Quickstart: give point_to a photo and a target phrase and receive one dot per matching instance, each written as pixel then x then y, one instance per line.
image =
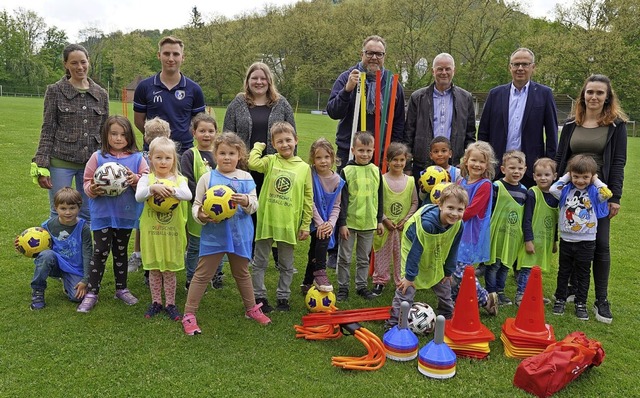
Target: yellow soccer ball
pixel 437 191
pixel 217 203
pixel 164 205
pixel 34 240
pixel 318 301
pixel 432 176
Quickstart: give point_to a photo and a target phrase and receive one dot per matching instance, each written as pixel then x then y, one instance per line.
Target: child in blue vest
pixel 429 251
pixel 360 215
pixel 327 186
pixel 583 200
pixel 477 169
pixel 113 217
pixel 509 196
pixel 69 256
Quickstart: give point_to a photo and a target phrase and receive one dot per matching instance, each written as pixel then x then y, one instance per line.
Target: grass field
pixel 115 351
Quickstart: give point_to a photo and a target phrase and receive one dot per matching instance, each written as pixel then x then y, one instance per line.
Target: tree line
pixel 308 44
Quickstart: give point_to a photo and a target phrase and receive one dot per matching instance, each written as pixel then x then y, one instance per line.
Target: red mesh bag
pixel 550 371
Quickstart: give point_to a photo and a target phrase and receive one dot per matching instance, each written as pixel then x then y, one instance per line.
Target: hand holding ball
pixel 432 176
pixel 163 204
pixel 218 203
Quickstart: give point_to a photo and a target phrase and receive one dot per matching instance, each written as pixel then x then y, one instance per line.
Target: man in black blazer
pixel 449 106
pixel 521 115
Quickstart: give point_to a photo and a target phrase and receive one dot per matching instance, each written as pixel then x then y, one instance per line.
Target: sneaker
pixel 88 302
pixel 581 311
pixel 492 304
pixel 343 294
pixel 332 260
pixel 216 282
pixel 135 262
pixel 173 312
pixel 603 311
pixel 266 308
pixel 519 299
pixel 186 286
pixel 503 299
pixel 256 313
pixel 37 300
pixel 377 290
pixel 154 309
pixel 283 305
pixel 189 325
pixel 126 296
pixel 546 301
pixel 558 307
pixel 304 289
pixel 321 281
pixel 365 293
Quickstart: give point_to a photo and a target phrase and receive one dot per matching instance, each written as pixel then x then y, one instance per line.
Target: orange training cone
pixel 529 324
pixel 465 325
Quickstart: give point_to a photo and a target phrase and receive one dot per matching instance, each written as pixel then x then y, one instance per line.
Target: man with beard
pixel 343 96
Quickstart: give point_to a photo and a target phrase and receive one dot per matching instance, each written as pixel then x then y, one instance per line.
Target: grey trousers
pixel 260 263
pixel 442 292
pixel 363 241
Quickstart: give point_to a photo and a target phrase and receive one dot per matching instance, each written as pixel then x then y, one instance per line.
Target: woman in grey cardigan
pixel 75 109
pixel 252 112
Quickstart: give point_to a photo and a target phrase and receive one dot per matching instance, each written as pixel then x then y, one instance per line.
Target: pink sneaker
pixel 87 304
pixel 256 313
pixel 189 324
pixel 126 296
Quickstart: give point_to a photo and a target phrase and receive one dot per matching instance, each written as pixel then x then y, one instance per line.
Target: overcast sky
pixel 127 15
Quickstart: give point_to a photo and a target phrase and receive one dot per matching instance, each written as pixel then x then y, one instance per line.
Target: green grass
pixel 115 351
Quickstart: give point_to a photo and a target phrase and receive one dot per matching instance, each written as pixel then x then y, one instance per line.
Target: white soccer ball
pixel 112 178
pixel 422 318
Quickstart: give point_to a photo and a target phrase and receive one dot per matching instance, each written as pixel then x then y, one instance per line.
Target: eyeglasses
pixel 371 54
pixel 523 65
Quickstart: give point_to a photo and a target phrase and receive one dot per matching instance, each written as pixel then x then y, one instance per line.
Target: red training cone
pixel 465 325
pixel 529 324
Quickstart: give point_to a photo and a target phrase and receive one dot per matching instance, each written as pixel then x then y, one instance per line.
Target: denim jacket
pixel 72 123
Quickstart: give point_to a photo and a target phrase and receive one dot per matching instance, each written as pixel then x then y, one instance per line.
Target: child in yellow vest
pixel 360 215
pixel 162 235
pixel 400 202
pixel 509 196
pixel 284 212
pixel 194 163
pixel 539 225
pixel 429 251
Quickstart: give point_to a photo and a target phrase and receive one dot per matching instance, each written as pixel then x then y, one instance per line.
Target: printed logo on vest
pixel 396 208
pixel 282 184
pixel 512 218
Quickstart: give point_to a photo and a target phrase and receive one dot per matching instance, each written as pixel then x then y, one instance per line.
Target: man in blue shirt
pixel 439 109
pixel 521 116
pixel 169 95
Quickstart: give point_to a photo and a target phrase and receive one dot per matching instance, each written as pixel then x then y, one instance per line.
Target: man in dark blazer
pixel 439 109
pixel 521 115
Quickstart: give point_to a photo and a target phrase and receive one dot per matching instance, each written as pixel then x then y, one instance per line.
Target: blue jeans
pixel 61 178
pixel 47 266
pixel 523 279
pixel 495 277
pixel 481 292
pixel 192 256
